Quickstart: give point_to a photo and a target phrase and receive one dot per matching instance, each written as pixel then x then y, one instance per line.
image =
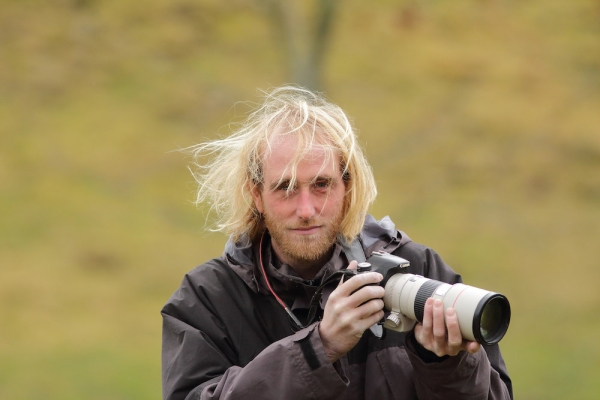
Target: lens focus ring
pixel 425 292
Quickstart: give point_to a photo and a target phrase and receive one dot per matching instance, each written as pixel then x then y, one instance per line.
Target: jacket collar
pixel 242 257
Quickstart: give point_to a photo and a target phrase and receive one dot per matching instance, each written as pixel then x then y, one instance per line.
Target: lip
pixel 310 230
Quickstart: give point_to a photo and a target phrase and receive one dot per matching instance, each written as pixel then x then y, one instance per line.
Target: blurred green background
pixel 481 119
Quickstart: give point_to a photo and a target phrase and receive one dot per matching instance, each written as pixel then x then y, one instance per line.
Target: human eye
pixel 322 183
pixel 285 187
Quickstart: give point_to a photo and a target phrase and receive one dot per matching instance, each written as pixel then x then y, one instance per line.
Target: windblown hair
pixel 234 167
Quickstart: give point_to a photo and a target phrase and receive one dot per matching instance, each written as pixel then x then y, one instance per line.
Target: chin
pixel 308 253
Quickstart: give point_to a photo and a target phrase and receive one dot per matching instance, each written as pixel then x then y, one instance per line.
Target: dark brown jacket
pixel 226 337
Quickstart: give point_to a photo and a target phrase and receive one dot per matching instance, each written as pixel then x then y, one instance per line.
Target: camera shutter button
pixel 363 267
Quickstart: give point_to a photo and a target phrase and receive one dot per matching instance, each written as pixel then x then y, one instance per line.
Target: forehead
pixel 288 157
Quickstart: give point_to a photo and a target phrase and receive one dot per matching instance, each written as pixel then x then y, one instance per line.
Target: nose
pixel 305 207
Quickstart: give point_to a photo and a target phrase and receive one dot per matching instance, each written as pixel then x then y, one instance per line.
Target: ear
pixel 256 197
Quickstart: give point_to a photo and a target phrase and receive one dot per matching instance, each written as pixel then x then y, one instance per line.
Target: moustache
pixel 305 224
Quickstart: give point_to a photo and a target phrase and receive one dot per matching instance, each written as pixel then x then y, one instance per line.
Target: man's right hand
pixel 351 309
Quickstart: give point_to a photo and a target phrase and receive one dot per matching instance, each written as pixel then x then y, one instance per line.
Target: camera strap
pixel 354 250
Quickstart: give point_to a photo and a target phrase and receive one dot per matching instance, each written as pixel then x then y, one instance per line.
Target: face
pixel 305 221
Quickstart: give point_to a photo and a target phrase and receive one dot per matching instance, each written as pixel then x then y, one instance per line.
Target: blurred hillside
pixel 481 119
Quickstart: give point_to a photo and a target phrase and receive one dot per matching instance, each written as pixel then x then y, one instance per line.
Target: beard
pixel 303 247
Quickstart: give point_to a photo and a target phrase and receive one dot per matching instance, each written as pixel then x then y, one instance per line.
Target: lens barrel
pixel 482 315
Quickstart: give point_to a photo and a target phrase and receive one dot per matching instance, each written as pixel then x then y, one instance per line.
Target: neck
pixel 306 268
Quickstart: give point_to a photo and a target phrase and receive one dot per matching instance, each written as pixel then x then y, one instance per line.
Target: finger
pixel 369 308
pixel 454 335
pixel 471 347
pixel 352 266
pixel 365 294
pixel 428 315
pixel 360 280
pixel 373 319
pixel 439 324
pixel 357 320
pixel 427 323
pixel 439 328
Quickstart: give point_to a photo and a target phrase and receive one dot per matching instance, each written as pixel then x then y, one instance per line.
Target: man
pixel 291 187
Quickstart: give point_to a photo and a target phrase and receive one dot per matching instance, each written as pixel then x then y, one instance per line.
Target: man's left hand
pixel 442 335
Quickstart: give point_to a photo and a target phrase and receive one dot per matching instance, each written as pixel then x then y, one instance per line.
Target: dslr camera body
pixel 483 316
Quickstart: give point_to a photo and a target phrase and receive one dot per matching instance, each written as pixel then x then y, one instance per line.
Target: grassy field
pixel 481 120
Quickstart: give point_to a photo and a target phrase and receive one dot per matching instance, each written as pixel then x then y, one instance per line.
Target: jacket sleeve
pixel 482 375
pixel 196 362
pixel 464 376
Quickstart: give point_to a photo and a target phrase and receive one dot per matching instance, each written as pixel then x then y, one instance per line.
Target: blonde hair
pixel 234 166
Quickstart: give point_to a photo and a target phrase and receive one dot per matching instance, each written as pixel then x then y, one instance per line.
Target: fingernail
pixel 450 312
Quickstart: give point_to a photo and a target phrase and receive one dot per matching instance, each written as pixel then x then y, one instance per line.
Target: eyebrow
pixel 286 181
pixel 277 184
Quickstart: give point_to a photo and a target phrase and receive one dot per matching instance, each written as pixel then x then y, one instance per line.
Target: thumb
pixel 353 265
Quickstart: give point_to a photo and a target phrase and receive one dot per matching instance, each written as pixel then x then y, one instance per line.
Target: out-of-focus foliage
pixel 481 119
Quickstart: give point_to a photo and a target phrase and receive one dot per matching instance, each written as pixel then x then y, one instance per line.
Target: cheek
pixel 270 204
pixel 282 208
pixel 335 203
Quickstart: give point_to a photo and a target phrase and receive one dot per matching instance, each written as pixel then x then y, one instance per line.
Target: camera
pixel 483 316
